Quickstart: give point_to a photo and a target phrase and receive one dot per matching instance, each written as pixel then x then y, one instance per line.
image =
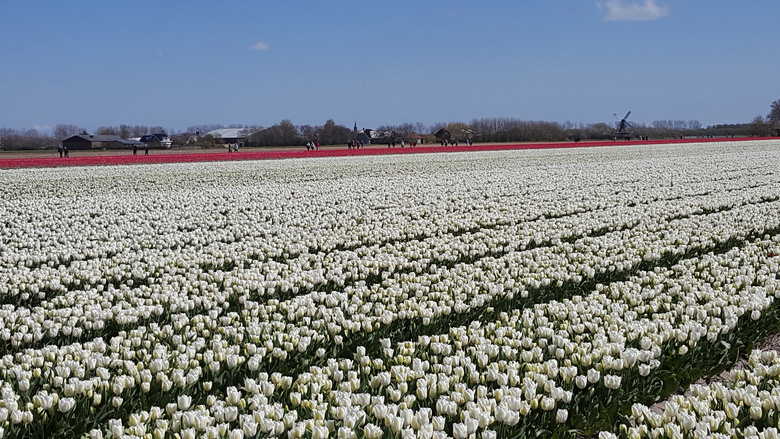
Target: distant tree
pixel 29 139
pixel 332 134
pixel 31 132
pixel 774 113
pixel 459 131
pixel 139 130
pixel 729 130
pixel 207 141
pixel 248 131
pixel 282 134
pixel 108 131
pixel 663 124
pixel 760 127
pixel 308 132
pixel 486 127
pixel 63 131
pixel 599 131
pixel 288 133
pixel 5 134
pixel 436 127
pixel 405 129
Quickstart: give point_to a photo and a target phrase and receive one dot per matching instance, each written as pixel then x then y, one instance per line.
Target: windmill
pixel 622 127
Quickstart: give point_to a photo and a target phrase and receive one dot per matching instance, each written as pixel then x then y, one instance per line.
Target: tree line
pixel 286 133
pixel 769 125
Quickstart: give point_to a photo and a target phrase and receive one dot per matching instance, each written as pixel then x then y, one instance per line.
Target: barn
pixel 229 135
pixel 443 135
pixel 98 141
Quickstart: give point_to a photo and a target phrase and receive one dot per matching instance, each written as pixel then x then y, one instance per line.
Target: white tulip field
pixel 534 293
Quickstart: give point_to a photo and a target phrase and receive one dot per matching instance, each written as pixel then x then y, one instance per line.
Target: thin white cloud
pixel 620 10
pixel 259 46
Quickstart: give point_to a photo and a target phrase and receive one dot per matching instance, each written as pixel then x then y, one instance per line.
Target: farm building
pixel 160 140
pixel 374 137
pixel 229 135
pixel 364 136
pixel 97 141
pixel 443 135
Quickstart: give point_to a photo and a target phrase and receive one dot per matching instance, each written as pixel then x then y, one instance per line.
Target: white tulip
pixel 65 405
pixel 612 381
pixel 183 402
pixel 459 431
pixel 371 431
pixel 250 428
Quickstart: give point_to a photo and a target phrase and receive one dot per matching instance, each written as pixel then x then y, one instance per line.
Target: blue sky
pixel 181 63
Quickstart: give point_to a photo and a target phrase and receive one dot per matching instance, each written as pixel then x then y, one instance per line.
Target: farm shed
pixel 97 141
pixel 443 135
pixel 229 135
pixel 159 140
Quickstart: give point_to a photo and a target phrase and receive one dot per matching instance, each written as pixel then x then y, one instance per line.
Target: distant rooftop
pixel 102 138
pixel 228 133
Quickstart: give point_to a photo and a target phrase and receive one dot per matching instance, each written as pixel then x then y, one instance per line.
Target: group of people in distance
pixel 146 149
pixel 310 146
pixel 391 144
pixel 357 144
pixel 453 142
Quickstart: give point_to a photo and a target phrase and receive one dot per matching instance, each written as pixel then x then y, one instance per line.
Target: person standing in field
pixel 60 150
pixel 135 149
pixel 65 150
pixel 146 149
